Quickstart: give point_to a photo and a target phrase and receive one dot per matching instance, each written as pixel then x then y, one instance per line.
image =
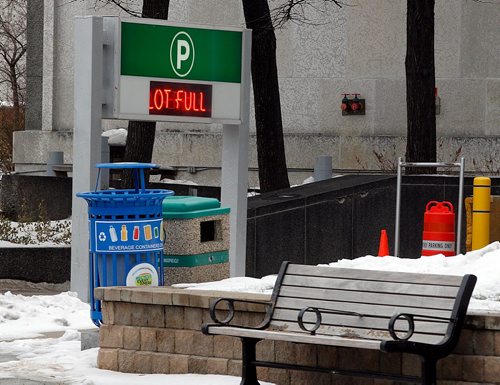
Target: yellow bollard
pixel 481 212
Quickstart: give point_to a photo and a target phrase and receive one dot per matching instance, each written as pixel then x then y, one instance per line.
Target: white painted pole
pixel 234 179
pixel 88 39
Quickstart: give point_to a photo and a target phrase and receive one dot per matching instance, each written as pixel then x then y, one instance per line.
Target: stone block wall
pixel 157 330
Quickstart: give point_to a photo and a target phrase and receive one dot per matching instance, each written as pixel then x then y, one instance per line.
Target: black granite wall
pixel 315 223
pixel 29 197
pixel 342 218
pixel 36 264
pixel 32 198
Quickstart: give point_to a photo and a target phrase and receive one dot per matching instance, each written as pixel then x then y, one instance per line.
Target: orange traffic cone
pixel 383 249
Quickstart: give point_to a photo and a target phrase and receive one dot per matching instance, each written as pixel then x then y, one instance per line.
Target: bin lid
pixel 138 174
pixel 121 165
pixel 187 207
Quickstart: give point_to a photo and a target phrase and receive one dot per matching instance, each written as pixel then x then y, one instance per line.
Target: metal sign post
pixel 460 197
pixel 161 71
pixel 86 140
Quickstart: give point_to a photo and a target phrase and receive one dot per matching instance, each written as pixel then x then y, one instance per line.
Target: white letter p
pixel 183 52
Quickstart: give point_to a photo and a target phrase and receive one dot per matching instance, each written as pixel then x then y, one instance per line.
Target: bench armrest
pixel 411 318
pixel 230 304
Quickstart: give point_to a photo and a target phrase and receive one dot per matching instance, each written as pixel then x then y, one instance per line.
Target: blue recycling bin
pixel 126 234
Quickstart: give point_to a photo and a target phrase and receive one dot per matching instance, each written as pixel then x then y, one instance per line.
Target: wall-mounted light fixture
pixel 353 106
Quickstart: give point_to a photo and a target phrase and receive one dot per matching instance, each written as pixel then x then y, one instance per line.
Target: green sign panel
pixel 162 51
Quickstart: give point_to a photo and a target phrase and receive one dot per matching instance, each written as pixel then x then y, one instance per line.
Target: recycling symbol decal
pixel 102 236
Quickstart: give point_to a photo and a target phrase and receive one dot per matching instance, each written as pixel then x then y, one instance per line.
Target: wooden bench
pixel 414 313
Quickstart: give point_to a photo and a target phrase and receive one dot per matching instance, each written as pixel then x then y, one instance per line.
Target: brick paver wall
pixel 157 330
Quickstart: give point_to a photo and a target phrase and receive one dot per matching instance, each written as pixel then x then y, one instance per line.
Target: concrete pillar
pixel 55 157
pixel 34 64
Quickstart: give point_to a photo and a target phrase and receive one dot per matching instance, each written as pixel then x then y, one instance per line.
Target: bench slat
pixel 296 337
pixel 371 286
pixel 366 297
pixel 372 334
pixel 289 317
pixel 386 276
pixel 378 335
pixel 369 309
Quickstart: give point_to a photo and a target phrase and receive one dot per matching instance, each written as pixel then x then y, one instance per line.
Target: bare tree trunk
pixel 420 83
pixel 15 98
pixel 270 146
pixel 141 134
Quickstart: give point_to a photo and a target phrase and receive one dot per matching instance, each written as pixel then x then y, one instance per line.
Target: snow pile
pixel 238 284
pixel 483 263
pixel 116 136
pixel 178 181
pixel 60 360
pixel 29 316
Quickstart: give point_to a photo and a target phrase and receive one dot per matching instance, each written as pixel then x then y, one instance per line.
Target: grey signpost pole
pixel 86 140
pixel 234 178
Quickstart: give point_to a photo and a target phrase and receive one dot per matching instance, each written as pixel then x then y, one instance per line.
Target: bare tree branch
pixel 12 75
pixel 296 11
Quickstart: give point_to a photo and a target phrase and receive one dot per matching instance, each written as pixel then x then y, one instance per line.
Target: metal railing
pixel 460 197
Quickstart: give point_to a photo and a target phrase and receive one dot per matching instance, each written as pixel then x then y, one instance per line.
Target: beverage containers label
pixel 148 235
pixel 112 234
pixel 127 236
pixel 124 233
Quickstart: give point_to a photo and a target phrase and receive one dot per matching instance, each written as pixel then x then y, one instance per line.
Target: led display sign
pixel 168 72
pixel 180 99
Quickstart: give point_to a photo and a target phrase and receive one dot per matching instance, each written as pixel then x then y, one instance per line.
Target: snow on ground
pixel 29 316
pixel 60 359
pixel 238 284
pixel 484 263
pixel 178 181
pixel 35 234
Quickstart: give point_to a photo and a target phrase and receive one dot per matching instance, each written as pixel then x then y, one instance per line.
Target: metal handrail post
pixel 398 205
pixel 460 205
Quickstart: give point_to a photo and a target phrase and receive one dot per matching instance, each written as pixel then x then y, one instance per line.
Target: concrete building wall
pixel 351 49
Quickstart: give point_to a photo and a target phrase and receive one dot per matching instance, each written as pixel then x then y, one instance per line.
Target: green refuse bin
pixel 197 240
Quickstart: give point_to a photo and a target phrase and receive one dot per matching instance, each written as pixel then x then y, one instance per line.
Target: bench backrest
pixel 369 298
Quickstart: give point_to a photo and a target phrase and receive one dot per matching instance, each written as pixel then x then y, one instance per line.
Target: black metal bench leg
pixel 428 371
pixel 249 370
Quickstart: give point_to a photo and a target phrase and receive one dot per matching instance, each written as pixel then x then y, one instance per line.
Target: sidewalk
pixel 18 381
